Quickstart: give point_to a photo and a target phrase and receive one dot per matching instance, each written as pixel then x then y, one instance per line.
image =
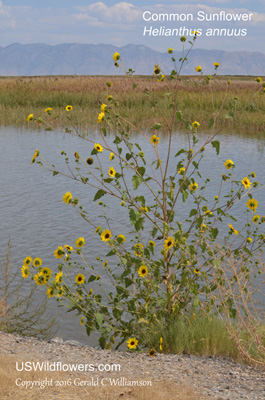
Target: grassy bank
pixel 20 96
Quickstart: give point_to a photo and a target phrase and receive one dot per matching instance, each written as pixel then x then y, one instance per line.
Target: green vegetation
pixel 23 95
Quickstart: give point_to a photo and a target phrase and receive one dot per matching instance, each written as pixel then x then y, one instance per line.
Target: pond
pixel 33 214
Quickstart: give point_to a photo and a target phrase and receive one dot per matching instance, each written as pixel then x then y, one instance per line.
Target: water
pixel 33 214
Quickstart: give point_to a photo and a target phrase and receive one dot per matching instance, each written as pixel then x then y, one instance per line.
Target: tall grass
pixel 202 335
pixel 20 96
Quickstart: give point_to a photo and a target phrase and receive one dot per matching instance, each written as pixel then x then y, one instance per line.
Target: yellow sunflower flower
pixel 101 117
pixel 253 174
pixel 181 171
pixel 193 187
pixel 245 181
pixel 59 277
pixel 121 238
pixel 25 271
pixel 161 342
pixel 98 147
pixel 80 242
pixel 229 164
pixel 258 79
pixel 50 292
pixel 198 69
pixel 27 261
pixel 233 229
pixel 169 242
pixel 216 64
pixel 106 235
pixel 138 249
pixel 170 50
pixel 67 197
pixel 90 292
pixel 152 352
pixel 111 156
pixel 36 154
pixel 69 108
pixel 112 172
pixel 59 292
pixel 249 240
pixel 47 272
pixel 252 204
pixel 151 243
pixel 80 279
pixel 143 271
pixel 103 107
pixel 40 279
pixel 37 262
pixel 155 140
pixel 82 321
pixel 132 343
pixel 255 218
pixel 157 70
pixel 197 271
pixel 29 117
pixel 59 253
pixel 48 109
pixel 116 56
pixel 195 124
pixel 68 248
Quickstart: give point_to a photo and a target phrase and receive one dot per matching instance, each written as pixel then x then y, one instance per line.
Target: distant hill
pixel 89 59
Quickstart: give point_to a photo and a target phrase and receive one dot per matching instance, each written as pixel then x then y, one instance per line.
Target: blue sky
pixel 121 22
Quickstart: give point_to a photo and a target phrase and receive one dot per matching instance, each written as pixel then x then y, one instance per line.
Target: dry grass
pixel 165 390
pixel 20 96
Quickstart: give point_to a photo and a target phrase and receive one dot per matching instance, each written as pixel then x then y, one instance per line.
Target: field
pixel 20 96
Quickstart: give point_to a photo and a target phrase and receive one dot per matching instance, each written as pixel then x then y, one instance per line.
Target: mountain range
pixel 89 59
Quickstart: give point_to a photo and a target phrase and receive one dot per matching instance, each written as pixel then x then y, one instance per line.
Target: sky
pixel 137 21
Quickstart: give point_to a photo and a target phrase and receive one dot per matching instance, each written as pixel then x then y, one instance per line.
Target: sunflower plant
pixel 170 262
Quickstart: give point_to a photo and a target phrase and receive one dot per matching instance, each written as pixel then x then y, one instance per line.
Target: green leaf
pixel 193 212
pixel 104 131
pixel 214 233
pixel 141 170
pixel 139 224
pixel 179 115
pixel 180 152
pixel 99 318
pixel 136 180
pixel 99 194
pixel 211 123
pixel 184 195
pixel 55 173
pixel 216 145
pixel 156 126
pixel 128 156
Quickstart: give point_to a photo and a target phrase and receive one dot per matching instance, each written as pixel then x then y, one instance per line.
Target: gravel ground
pixel 216 378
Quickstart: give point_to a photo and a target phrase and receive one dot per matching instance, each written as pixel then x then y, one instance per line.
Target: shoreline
pixel 212 378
